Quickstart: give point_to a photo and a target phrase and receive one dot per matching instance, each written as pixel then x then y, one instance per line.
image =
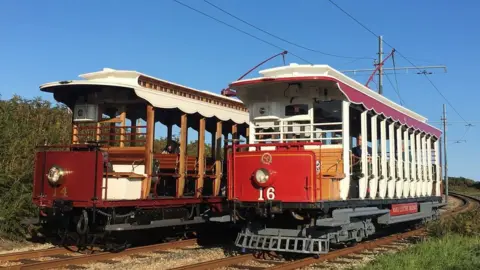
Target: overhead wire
pixel 396 90
pixel 242 31
pixel 399 53
pixel 283 39
pixel 395 73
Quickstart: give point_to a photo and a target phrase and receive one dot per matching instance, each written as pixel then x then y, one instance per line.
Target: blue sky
pixel 43 41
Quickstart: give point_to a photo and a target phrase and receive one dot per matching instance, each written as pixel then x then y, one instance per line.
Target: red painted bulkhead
pixel 78 183
pixel 292 176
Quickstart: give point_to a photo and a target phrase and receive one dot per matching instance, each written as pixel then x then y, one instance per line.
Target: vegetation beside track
pixel 464 186
pixel 453 251
pixel 25 124
pixel 454 243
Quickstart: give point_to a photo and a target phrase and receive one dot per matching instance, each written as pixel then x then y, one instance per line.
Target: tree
pixel 25 124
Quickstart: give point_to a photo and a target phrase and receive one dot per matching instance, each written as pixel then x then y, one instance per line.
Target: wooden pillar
pixel 183 155
pixel 149 150
pixel 74 133
pixel 234 132
pixel 98 131
pixel 247 134
pixel 225 152
pixel 123 117
pixel 201 158
pixel 218 161
pixel 133 131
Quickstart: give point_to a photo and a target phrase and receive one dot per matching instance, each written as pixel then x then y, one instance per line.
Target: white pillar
pixel 373 183
pixel 399 155
pixel 392 177
pixel 438 180
pixel 251 135
pixel 345 182
pixel 406 164
pixel 382 183
pixel 425 165
pixel 418 142
pixel 413 171
pixel 362 182
pixel 429 166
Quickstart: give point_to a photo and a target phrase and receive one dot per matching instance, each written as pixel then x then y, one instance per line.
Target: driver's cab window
pixel 327 118
pixel 297 123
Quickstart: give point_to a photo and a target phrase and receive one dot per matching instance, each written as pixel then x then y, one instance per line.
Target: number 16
pixel 270 194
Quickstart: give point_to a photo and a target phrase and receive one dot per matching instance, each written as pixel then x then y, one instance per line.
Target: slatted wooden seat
pixel 124 175
pixel 191 166
pixel 210 167
pixel 167 164
pixel 126 155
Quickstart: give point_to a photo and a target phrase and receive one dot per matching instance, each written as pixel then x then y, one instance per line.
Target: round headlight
pixel 261 176
pixel 55 174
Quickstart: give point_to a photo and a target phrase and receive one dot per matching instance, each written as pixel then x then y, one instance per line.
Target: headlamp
pixel 55 175
pixel 261 176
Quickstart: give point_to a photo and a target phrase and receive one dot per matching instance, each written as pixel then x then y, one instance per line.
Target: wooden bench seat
pixel 191 165
pixel 124 175
pixel 210 167
pixel 167 163
pixel 125 155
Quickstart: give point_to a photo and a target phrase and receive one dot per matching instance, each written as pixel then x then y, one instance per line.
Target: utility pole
pixel 445 168
pixel 380 69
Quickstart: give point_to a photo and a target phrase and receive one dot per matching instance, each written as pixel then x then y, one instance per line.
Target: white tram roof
pixel 163 94
pixel 354 91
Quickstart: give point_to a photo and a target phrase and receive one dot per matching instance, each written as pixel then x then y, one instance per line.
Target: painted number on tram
pixel 269 194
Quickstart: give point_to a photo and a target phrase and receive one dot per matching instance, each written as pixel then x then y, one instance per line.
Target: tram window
pixel 297 109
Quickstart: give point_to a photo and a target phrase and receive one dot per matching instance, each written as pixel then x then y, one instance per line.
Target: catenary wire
pixel 399 53
pixel 396 90
pixel 395 73
pixel 283 39
pixel 242 31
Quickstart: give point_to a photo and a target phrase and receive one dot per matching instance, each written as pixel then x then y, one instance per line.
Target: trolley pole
pixel 445 166
pixel 380 69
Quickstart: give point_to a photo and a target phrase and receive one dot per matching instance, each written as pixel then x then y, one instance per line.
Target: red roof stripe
pixel 358 97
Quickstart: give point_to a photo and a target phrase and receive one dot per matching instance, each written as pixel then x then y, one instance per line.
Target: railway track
pixel 63 257
pixel 387 242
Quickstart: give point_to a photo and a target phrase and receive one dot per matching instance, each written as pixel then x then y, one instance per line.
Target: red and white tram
pixel 111 177
pixel 328 161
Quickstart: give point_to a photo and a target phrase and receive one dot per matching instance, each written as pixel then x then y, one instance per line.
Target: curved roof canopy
pixel 354 91
pixel 161 94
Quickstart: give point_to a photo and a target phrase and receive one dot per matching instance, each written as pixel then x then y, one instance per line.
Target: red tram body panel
pixel 78 182
pixel 291 176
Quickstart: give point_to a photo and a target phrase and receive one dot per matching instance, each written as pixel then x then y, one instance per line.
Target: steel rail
pixel 78 260
pixel 468 205
pixel 30 254
pixel 217 263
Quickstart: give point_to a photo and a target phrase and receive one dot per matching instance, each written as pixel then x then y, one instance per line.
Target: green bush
pixel 465 224
pixel 449 252
pixel 24 124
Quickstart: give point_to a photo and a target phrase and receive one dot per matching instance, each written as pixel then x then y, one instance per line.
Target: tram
pixel 328 161
pixel 113 178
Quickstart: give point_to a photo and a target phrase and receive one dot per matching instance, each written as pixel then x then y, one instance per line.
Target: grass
pixel 454 243
pixel 466 190
pixel 451 252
